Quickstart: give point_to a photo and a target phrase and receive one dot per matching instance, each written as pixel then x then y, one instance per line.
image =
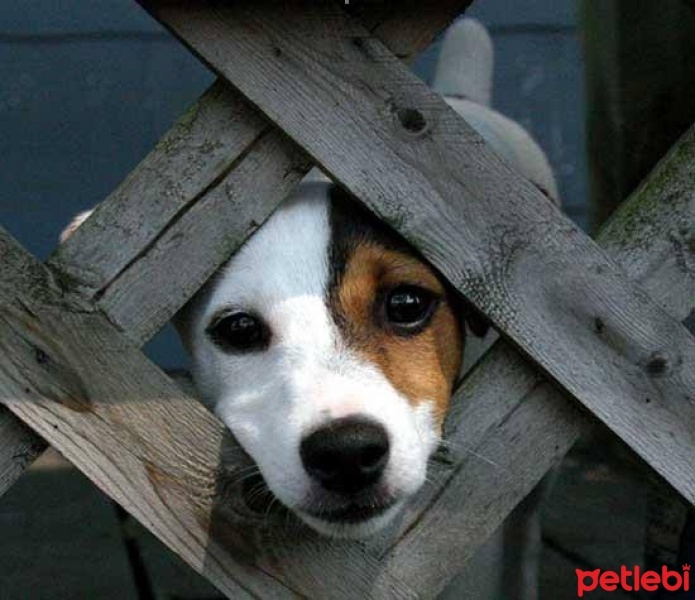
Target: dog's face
pixel 330 350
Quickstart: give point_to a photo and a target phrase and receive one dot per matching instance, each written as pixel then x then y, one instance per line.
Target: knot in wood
pixel 657 364
pixel 41 357
pixel 412 120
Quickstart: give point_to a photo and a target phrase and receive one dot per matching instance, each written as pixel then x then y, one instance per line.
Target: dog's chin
pixel 351 522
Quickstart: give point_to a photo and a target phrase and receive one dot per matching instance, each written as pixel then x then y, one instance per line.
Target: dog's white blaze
pixel 272 399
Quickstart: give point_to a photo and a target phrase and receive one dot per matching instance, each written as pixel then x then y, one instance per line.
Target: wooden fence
pixel 590 329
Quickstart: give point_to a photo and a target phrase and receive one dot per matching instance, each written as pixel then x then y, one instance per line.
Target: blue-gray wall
pixel 86 92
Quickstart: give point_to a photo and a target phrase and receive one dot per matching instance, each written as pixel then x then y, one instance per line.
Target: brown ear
pixel 74 224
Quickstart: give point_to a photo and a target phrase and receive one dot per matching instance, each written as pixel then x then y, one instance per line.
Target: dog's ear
pixel 476 321
pixel 74 224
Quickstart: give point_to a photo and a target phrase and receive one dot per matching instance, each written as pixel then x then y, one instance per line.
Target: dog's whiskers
pixel 241 476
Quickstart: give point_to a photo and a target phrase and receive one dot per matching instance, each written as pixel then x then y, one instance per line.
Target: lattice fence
pixel 591 330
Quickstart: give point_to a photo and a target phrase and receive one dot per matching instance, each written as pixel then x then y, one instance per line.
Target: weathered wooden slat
pixel 318 548
pixel 192 157
pixel 19 447
pixel 399 148
pixel 209 154
pixel 497 407
pixel 650 237
pixel 92 395
pixel 145 296
pixel 219 135
pixel 70 374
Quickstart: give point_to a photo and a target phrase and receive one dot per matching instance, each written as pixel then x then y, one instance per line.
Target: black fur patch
pixel 353 225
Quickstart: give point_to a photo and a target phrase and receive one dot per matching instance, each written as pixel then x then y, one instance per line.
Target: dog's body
pixel 330 348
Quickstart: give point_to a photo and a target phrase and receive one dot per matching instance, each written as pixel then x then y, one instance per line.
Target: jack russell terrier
pixel 330 348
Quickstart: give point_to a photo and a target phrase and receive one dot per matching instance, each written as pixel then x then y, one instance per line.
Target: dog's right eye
pixel 239 332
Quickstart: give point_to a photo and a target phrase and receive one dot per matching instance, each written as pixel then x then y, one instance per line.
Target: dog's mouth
pixel 330 515
pixel 353 513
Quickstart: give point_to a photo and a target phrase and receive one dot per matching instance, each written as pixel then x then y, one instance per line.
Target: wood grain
pixel 219 151
pixel 400 149
pixel 91 394
pixel 96 399
pixel 114 448
pixel 144 424
pixel 19 447
pixel 216 149
pixel 500 402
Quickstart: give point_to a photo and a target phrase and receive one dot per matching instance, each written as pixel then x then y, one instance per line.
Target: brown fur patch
pixel 423 366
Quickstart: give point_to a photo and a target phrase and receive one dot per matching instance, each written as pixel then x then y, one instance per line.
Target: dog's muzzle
pixel 347 456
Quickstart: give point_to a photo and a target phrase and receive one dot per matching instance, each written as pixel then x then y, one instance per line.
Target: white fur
pixel 272 399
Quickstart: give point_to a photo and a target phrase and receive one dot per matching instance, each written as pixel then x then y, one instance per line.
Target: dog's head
pixel 330 349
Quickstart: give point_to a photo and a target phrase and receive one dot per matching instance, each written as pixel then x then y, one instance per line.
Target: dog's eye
pixel 408 307
pixel 239 332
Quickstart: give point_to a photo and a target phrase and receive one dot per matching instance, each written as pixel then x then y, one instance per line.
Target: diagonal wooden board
pixel 483 378
pixel 156 452
pixel 128 254
pixel 650 236
pixel 400 149
pixel 89 392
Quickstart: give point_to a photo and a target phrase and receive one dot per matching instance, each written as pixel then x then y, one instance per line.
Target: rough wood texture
pixel 19 447
pixel 134 438
pixel 219 154
pixel 82 385
pixel 95 398
pixel 128 253
pixel 399 148
pixel 157 453
pixel 651 238
pixel 640 60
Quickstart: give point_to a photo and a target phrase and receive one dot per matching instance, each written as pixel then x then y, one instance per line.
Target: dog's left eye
pixel 239 332
pixel 409 307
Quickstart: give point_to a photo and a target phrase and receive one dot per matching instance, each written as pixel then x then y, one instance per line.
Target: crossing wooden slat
pixel 170 271
pixel 208 160
pixel 126 425
pixel 499 405
pixel 647 237
pixel 208 141
pixel 301 563
pixel 82 385
pixel 400 149
pixel 217 142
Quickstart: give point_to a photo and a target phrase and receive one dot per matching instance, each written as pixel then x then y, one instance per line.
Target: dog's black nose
pixel 346 456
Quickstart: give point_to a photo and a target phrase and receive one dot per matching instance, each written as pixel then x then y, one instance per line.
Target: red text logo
pixel 633 580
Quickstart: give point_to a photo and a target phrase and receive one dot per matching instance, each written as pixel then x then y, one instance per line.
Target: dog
pixel 331 348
